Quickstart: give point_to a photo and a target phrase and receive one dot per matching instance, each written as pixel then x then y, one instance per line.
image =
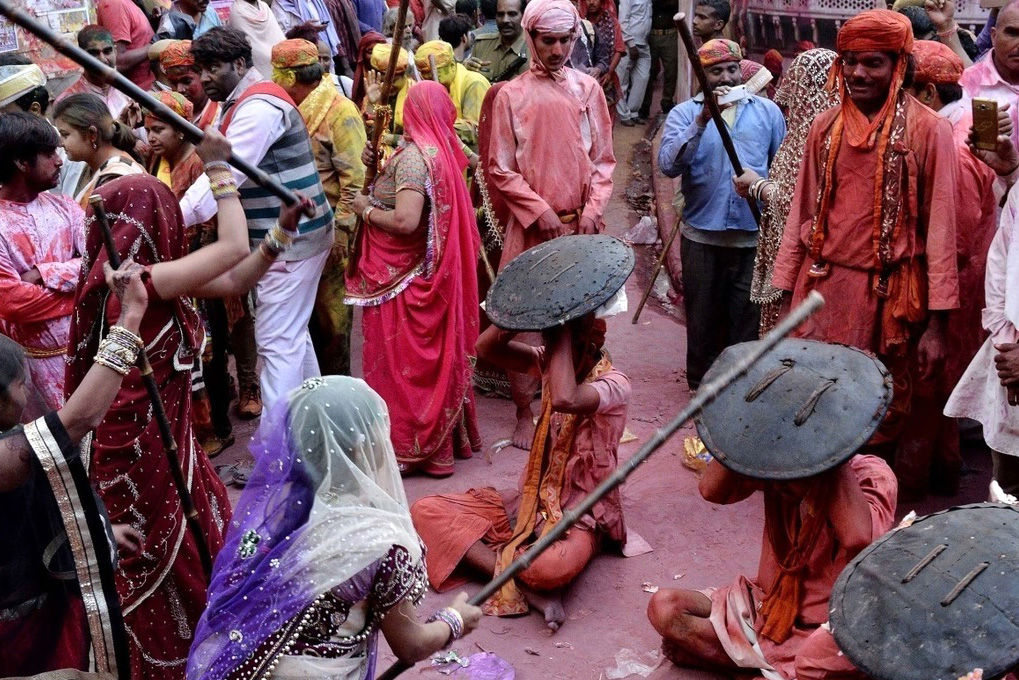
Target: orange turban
pixel 294 53
pixel 718 51
pixel 876 30
pixel 176 103
pixel 176 55
pixel 936 63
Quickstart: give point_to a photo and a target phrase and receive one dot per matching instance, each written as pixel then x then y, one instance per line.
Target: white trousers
pixel 284 298
pixel 633 80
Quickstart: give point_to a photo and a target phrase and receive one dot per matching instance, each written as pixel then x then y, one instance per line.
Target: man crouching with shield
pixel 583 413
pixel 789 428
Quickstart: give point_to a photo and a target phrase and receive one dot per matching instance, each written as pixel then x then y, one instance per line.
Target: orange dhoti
pixel 450 524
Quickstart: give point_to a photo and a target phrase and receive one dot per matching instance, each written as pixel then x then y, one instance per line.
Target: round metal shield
pixel 804 408
pixel 935 600
pixel 558 281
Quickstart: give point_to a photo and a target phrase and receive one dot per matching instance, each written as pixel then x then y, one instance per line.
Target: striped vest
pixel 290 161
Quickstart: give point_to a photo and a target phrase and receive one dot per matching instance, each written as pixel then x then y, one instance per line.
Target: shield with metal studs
pixel 558 281
pixel 935 600
pixel 802 409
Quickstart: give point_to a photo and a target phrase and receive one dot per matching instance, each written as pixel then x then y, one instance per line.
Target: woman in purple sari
pixel 320 549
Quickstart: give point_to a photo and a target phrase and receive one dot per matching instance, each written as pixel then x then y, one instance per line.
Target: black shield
pixel 802 409
pixel 558 281
pixel 935 600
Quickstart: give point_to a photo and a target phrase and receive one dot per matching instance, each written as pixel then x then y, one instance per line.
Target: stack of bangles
pixel 758 188
pixel 221 180
pixel 276 241
pixel 366 215
pixel 119 350
pixel 451 618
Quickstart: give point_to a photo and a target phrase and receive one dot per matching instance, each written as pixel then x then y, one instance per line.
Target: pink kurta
pixel 983 80
pixel 47 234
pixel 116 101
pixel 551 148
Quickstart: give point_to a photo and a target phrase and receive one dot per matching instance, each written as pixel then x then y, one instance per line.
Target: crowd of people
pixel 424 164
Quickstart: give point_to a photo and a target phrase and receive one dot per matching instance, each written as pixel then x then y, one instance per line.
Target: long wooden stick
pixel 704 396
pixel 158 410
pixel 657 270
pixel 119 82
pixel 379 129
pixel 712 104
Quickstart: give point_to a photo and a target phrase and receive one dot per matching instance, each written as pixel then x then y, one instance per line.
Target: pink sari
pixel 420 298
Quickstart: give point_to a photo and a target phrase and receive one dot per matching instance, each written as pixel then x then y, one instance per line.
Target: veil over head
pixel 324 502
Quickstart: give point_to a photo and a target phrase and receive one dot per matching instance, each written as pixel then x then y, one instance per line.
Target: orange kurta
pixel 853 314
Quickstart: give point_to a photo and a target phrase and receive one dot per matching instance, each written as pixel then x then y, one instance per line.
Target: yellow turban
pixel 442 51
pixel 16 81
pixel 380 58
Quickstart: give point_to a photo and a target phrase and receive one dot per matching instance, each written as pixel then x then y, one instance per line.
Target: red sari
pixel 420 298
pixel 162 590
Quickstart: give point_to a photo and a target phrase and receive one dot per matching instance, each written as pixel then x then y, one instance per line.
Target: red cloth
pixel 53 637
pixel 420 296
pixel 928 230
pixel 162 590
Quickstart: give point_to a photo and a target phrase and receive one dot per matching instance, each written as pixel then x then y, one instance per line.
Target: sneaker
pixel 249 404
pixel 214 445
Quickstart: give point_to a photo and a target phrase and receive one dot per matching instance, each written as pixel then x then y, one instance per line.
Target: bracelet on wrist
pixel 366 214
pixel 211 165
pixel 949 32
pixel 451 618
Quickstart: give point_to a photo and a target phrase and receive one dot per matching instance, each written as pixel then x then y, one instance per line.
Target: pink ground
pixel 695 544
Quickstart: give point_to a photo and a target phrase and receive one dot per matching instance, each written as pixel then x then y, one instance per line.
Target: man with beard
pixel 502 55
pixel 872 222
pixel 41 241
pixel 265 127
pixel 719 234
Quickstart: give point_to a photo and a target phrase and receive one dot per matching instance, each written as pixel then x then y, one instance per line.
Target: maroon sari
pixel 162 590
pixel 420 298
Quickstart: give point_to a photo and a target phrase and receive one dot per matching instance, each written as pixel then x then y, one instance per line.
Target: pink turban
pixel 549 16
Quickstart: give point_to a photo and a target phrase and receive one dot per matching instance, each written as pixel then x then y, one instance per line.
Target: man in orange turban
pixel 872 225
pixel 178 64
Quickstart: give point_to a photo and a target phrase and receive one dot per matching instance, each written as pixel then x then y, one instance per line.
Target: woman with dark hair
pixel 162 590
pixel 322 555
pixel 90 134
pixel 416 281
pixel 49 616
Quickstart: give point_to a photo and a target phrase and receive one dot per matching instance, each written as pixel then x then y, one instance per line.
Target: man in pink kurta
pixel 41 240
pixel 884 256
pixel 550 155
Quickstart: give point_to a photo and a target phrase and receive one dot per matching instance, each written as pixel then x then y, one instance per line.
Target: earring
pixel 180 136
pixel 94 146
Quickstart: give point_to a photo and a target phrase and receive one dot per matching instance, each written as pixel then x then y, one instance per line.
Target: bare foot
pixel 550 605
pixel 523 433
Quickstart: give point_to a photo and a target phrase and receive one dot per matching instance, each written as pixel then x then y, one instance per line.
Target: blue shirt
pixel 697 154
pixel 369 14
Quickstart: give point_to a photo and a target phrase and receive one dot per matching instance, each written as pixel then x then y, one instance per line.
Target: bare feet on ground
pixel 523 433
pixel 549 604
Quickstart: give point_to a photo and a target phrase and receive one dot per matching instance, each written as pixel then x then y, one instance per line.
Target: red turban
pixel 719 51
pixel 936 63
pixel 876 30
pixel 805 46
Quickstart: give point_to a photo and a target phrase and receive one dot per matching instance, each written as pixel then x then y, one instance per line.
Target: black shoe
pixel 640 120
pixel 627 122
